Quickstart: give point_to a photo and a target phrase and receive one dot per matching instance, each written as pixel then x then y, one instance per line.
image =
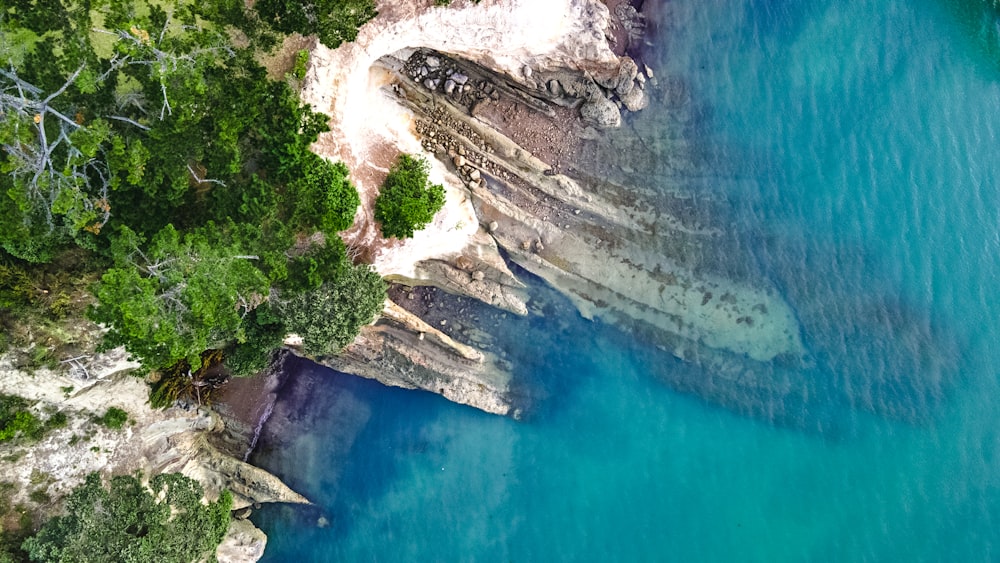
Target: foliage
pixel 128 522
pixel 147 137
pixel 16 420
pixel 44 290
pixel 264 332
pixel 334 21
pixel 301 59
pixel 180 296
pixel 114 418
pixel 322 197
pixel 407 202
pixel 9 551
pixel 330 316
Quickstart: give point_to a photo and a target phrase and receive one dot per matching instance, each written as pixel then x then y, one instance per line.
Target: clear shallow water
pixel 854 146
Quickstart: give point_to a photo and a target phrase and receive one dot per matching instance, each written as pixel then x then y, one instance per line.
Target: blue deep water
pixel 852 151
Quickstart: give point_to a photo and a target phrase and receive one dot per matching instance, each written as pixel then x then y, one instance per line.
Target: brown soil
pixel 282 61
pixel 555 141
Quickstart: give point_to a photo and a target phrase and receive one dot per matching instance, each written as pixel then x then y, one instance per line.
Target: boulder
pixel 601 112
pixel 626 76
pixel 635 99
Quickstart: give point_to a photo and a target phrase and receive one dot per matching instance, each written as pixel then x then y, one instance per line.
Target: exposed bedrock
pixel 402 350
pixel 613 256
pixel 506 113
pixel 477 271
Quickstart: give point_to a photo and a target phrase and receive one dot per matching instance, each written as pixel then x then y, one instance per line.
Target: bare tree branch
pixel 204 180
pixel 128 120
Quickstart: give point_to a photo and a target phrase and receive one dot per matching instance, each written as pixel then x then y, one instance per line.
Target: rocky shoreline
pixel 507 112
pixel 178 439
pixel 508 133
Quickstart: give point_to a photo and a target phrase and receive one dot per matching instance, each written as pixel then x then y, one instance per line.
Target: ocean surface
pixel 851 152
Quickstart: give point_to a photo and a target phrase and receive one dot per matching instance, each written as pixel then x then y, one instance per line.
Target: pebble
pixel 459 161
pixel 444 322
pixel 494 226
pixel 474 174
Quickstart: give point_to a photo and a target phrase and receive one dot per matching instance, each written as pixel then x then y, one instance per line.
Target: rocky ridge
pixel 153 441
pixel 505 121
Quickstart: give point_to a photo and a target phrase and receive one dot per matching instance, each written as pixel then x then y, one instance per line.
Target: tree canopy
pixel 145 134
pixel 324 316
pixel 407 202
pixel 129 522
pixel 333 21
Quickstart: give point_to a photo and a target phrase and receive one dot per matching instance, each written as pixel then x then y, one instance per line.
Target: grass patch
pixel 18 422
pixel 115 418
pixel 39 496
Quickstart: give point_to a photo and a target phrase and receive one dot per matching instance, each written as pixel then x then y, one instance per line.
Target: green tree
pixel 177 296
pixel 330 316
pixel 334 21
pixel 407 202
pixel 143 133
pixel 264 333
pixel 128 522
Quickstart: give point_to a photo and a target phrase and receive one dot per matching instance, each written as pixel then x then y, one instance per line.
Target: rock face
pixel 451 82
pixel 154 441
pixel 244 543
pixel 401 350
pixel 610 255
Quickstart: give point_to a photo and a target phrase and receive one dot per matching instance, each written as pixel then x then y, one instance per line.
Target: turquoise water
pixel 853 151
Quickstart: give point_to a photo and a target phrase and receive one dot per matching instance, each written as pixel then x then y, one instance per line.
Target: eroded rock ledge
pixel 402 350
pixel 154 442
pixel 505 121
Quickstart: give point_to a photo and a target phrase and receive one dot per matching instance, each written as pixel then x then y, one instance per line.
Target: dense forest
pixel 150 163
pixel 144 147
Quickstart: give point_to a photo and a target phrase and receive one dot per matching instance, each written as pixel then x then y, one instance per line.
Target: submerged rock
pixel 616 256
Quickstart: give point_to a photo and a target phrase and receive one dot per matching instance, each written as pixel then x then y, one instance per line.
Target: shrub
pixel 407 202
pixel 165 522
pixel 330 316
pixel 16 420
pixel 114 418
pixel 301 59
pixel 39 496
pixel 334 21
pixel 264 334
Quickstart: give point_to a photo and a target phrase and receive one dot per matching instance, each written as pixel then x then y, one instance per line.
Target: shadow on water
pixel 309 440
pixel 331 431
